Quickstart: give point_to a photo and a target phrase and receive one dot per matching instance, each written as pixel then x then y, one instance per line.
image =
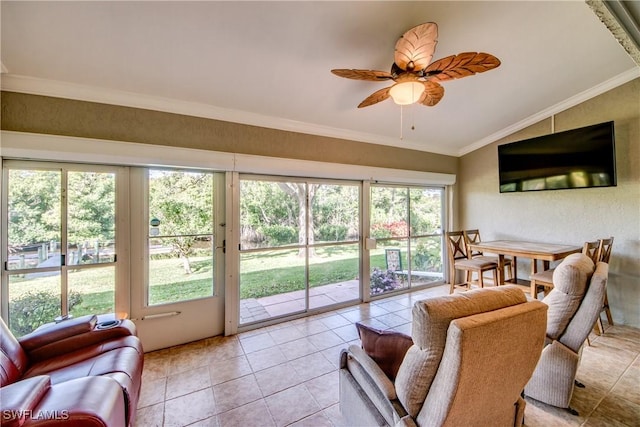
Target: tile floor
pixel 286 374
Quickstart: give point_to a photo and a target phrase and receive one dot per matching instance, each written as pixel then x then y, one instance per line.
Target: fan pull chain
pixel 413 122
pixel 401 122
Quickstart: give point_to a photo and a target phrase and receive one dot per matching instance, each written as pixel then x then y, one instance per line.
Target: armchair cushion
pixel 13 359
pixel 386 348
pixel 570 280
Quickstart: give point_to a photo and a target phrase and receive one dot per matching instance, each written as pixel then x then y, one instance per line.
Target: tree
pixel 34 207
pixel 91 207
pixel 300 192
pixel 183 202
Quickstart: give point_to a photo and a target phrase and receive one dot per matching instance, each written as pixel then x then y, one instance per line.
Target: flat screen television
pixel 578 158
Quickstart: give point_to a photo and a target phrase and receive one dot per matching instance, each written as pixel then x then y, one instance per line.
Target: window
pixel 60 242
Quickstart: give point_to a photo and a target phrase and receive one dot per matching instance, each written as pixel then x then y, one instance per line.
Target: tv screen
pixel 578 158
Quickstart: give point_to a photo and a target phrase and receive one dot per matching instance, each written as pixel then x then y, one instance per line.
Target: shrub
pixel 280 235
pixel 427 256
pixel 390 229
pixel 383 281
pixel 36 308
pixel 332 233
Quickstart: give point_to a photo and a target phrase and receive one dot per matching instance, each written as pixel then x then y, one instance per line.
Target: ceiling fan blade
pixel 414 50
pixel 461 65
pixel 375 97
pixel 372 75
pixel 433 93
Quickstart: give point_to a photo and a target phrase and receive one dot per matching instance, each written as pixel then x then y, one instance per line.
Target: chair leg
pixel 607 310
pixel 598 329
pixel 495 278
pixel 452 279
pixel 480 281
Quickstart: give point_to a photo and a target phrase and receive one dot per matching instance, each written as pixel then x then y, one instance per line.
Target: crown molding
pixel 612 83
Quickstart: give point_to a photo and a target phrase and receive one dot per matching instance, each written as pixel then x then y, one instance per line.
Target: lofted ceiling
pixel 268 63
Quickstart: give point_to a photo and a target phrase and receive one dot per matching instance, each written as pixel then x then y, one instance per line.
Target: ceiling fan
pixel 416 78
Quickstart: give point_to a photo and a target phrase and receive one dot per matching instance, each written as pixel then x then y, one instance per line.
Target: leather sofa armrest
pixel 52 332
pixel 103 328
pixel 19 400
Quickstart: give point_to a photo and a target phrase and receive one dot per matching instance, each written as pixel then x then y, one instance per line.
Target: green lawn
pixel 262 274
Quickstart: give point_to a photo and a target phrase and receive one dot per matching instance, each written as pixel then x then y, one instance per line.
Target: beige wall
pixel 58 116
pixel 569 216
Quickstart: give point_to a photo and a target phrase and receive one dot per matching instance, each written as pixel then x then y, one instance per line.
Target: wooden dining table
pixel 545 252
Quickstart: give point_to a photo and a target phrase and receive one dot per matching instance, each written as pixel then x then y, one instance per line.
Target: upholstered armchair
pixel 471 357
pixel 574 306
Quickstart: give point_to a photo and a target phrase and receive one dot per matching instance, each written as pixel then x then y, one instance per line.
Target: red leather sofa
pixel 85 371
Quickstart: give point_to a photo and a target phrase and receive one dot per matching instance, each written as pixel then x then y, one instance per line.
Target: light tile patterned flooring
pixel 287 374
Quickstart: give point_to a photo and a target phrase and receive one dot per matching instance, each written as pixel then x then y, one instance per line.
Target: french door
pixel 62 239
pixel 178 245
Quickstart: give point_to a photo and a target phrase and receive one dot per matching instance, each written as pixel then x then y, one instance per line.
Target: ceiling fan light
pixel 406 93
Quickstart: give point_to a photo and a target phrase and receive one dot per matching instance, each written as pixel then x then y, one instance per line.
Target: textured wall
pixel 58 116
pixel 569 216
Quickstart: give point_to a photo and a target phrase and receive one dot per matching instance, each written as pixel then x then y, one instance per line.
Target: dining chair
pixel 473 236
pixel 604 254
pixel 459 260
pixel 544 278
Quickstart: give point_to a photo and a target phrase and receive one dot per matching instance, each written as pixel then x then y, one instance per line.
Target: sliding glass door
pixel 299 246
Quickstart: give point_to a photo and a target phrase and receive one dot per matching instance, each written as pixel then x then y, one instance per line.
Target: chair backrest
pixel 431 320
pixel 472 236
pixel 592 250
pixel 585 317
pixel 393 258
pixel 13 359
pixel 570 282
pixel 605 249
pixel 456 247
pixel 472 386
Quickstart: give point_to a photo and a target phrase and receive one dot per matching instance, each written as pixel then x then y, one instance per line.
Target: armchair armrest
pixel 553 379
pixel 73 334
pixel 52 332
pixel 19 399
pixel 371 368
